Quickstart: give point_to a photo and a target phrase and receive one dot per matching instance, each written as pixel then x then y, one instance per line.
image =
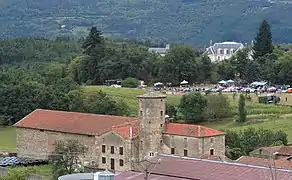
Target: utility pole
pixel 147 165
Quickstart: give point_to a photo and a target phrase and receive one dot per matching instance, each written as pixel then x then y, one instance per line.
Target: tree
pixel 66 156
pixel 18 174
pixel 180 64
pixel 263 40
pixel 192 106
pixel 171 110
pixel 206 69
pixel 218 106
pixel 130 82
pixel 93 43
pixel 243 142
pixel 241 109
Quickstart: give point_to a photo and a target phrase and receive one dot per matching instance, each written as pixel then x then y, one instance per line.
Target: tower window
pixel 185 152
pixel 212 140
pixel 161 113
pixel 172 151
pixel 103 148
pixel 211 152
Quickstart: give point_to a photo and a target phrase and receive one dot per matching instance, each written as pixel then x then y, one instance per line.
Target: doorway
pixel 112 164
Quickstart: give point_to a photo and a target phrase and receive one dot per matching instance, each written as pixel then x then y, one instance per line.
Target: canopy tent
pixel 222 82
pixel 256 83
pixel 230 81
pixel 158 84
pixel 184 82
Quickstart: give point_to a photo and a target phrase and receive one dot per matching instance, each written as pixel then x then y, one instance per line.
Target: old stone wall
pixel 215 143
pixel 195 147
pixel 35 143
pixel 116 160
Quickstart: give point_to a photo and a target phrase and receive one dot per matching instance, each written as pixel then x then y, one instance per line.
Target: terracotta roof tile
pixel 190 130
pixel 201 169
pixel 72 122
pixel 127 130
pixel 283 164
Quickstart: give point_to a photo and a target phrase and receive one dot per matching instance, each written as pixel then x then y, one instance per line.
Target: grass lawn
pixel 7 138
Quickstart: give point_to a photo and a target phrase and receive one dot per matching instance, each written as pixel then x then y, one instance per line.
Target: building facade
pixel 160 51
pixel 224 50
pixel 115 142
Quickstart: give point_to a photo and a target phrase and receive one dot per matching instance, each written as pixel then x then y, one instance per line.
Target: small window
pixel 172 151
pixel 161 100
pixel 161 125
pixel 212 140
pixel 141 142
pixel 103 148
pixel 161 113
pixel 121 162
pixel 112 150
pixel 149 122
pixel 185 152
pixel 90 135
pixel 103 160
pixel 151 154
pixel 211 152
pixel 185 139
pixel 141 113
pixel 161 142
pixel 121 151
pixel 41 130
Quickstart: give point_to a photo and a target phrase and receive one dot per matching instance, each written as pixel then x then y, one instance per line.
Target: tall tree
pixel 94 48
pixel 241 109
pixel 263 40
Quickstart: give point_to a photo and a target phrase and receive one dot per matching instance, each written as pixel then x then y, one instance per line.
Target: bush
pixel 263 99
pixel 130 82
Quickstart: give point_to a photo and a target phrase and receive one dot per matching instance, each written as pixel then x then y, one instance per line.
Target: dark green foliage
pixel 263 41
pixel 171 110
pixel 18 174
pixel 263 99
pixel 130 82
pixel 66 156
pixel 192 107
pixel 243 142
pixel 96 103
pixel 241 109
pixel 218 107
pixel 191 22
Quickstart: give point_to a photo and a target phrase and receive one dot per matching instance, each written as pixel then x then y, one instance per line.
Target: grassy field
pixel 7 139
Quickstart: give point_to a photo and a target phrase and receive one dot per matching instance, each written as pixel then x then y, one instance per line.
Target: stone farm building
pixel 114 142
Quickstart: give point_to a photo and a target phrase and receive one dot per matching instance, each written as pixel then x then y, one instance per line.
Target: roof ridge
pixel 224 162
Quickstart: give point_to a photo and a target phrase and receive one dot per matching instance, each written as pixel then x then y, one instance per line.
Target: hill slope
pixel 190 21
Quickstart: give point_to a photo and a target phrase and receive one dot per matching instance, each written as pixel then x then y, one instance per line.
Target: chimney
pixel 131 132
pixel 211 42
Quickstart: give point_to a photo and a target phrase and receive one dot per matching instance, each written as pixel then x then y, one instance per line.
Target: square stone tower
pixel 151 122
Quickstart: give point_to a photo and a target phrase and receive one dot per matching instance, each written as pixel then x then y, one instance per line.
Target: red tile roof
pixel 190 130
pixel 284 164
pixel 127 130
pixel 202 169
pixel 72 122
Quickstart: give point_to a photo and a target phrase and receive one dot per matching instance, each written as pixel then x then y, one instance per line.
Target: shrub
pixel 130 82
pixel 218 106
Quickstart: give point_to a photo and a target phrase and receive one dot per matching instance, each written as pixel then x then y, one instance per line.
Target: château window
pixel 121 162
pixel 103 160
pixel 121 151
pixel 211 152
pixel 112 150
pixel 172 151
pixel 103 148
pixel 185 152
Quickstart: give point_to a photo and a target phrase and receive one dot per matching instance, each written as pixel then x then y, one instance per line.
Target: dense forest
pixel 193 22
pixel 49 74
